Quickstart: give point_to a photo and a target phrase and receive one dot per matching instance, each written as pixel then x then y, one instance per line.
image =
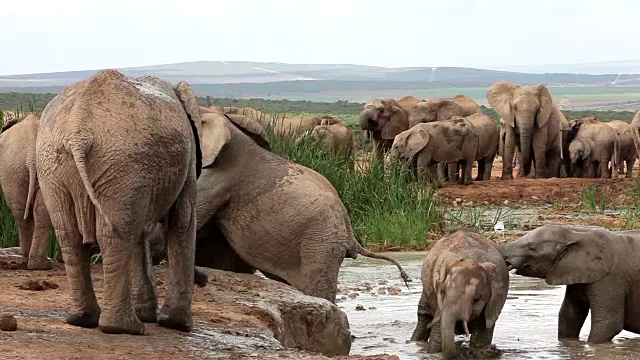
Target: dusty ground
pixel 220 332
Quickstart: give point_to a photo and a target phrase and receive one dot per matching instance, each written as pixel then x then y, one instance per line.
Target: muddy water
pixel 526 329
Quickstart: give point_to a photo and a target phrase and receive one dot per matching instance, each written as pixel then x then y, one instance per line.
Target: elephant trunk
pixel 526 128
pixel 447 329
pixel 368 119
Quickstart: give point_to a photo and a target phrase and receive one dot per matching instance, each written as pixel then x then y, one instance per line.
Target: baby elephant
pixel 465 280
pixel 599 267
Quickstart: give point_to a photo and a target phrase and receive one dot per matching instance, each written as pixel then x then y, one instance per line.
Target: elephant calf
pixel 334 137
pixel 599 267
pixel 464 279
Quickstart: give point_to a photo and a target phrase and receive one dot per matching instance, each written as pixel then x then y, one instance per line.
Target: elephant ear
pixel 448 109
pixel 498 293
pixel 500 97
pixel 190 104
pixel 546 105
pixel 585 259
pixel 416 140
pixel 398 121
pixel 251 127
pixel 215 135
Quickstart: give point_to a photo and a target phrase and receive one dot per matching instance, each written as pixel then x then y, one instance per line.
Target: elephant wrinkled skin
pixel 604 146
pixel 437 109
pixel 532 123
pixel 115 155
pixel 464 280
pixel 279 217
pixel 335 138
pixel 627 152
pixel 601 271
pixel 21 192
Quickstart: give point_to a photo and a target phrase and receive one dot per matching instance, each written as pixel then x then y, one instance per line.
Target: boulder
pixel 296 320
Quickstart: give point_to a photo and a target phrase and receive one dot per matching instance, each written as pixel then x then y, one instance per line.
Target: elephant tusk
pixel 466 328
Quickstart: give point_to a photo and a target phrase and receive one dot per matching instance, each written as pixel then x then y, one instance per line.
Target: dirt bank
pixel 234 318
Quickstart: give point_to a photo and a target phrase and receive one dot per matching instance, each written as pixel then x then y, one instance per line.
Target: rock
pixel 382 290
pixel 353 295
pixel 394 290
pixel 506 202
pixel 8 323
pixel 359 307
pixel 296 320
pixel 383 281
pixel 36 285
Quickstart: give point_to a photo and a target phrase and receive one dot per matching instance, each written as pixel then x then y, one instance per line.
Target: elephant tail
pixel 32 191
pixel 79 156
pixel 358 249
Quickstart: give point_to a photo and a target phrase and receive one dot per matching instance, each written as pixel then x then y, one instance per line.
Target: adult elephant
pixel 257 115
pixel 114 155
pixel 383 119
pixel 21 192
pixel 279 217
pixel 426 145
pixel 635 131
pixel 603 148
pixel 469 107
pixel 437 109
pixel 488 139
pixel 464 280
pixel 532 122
pixel 599 268
pixel 627 152
pixel 294 126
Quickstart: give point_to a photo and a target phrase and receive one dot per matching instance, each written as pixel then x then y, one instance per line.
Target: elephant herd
pixel 134 164
pixel 453 133
pixel 465 283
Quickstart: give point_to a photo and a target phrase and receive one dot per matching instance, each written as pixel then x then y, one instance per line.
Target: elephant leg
pixel 452 169
pixel 592 170
pixel 434 345
pixel 25 235
pixel 319 275
pixel 118 316
pixel 604 172
pixel 274 277
pixel 38 259
pixel 554 163
pixel 421 332
pixel 481 170
pixel 143 283
pixel 466 177
pixel 573 313
pixel 181 238
pixel 214 251
pixel 630 164
pixel 607 314
pixel 507 155
pixel 482 336
pixel 539 142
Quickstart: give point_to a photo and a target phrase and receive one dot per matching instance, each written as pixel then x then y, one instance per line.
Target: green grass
pixel 591 198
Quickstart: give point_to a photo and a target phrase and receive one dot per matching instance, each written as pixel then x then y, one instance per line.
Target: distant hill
pixel 242 79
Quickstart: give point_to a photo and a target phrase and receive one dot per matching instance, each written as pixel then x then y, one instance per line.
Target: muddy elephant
pixel 427 144
pixel 532 122
pixel 488 140
pixel 437 109
pixel 604 145
pixel 104 179
pixel 259 116
pixel 464 282
pixel 297 125
pixel 19 183
pixel 383 119
pixel 335 138
pixel 627 152
pixel 599 268
pixel 635 131
pixel 279 217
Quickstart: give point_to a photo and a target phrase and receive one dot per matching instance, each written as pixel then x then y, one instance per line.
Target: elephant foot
pixel 506 177
pixel 85 319
pixel 176 317
pixel 200 278
pixel 39 264
pixel 121 324
pixel 147 313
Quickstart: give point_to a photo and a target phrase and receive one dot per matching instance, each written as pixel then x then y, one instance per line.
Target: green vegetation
pixel 591 198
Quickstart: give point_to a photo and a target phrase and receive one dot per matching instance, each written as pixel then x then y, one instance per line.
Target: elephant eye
pixel 532 248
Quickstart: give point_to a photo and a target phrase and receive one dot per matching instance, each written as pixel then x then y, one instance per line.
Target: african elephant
pixel 464 280
pixel 564 134
pixel 257 115
pixel 627 152
pixel 436 109
pixel 383 119
pixel 599 268
pixel 114 155
pixel 279 217
pixel 297 125
pixel 20 188
pixel 582 156
pixel 488 141
pixel 532 123
pixel 606 144
pixel 335 138
pixel 427 144
pixel 635 131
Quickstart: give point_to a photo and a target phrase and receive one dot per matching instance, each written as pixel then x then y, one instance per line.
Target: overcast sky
pixel 62 35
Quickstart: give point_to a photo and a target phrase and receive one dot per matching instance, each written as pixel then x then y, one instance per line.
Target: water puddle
pixel 526 329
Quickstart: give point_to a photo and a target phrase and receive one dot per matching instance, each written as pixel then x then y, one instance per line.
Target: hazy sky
pixel 62 35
